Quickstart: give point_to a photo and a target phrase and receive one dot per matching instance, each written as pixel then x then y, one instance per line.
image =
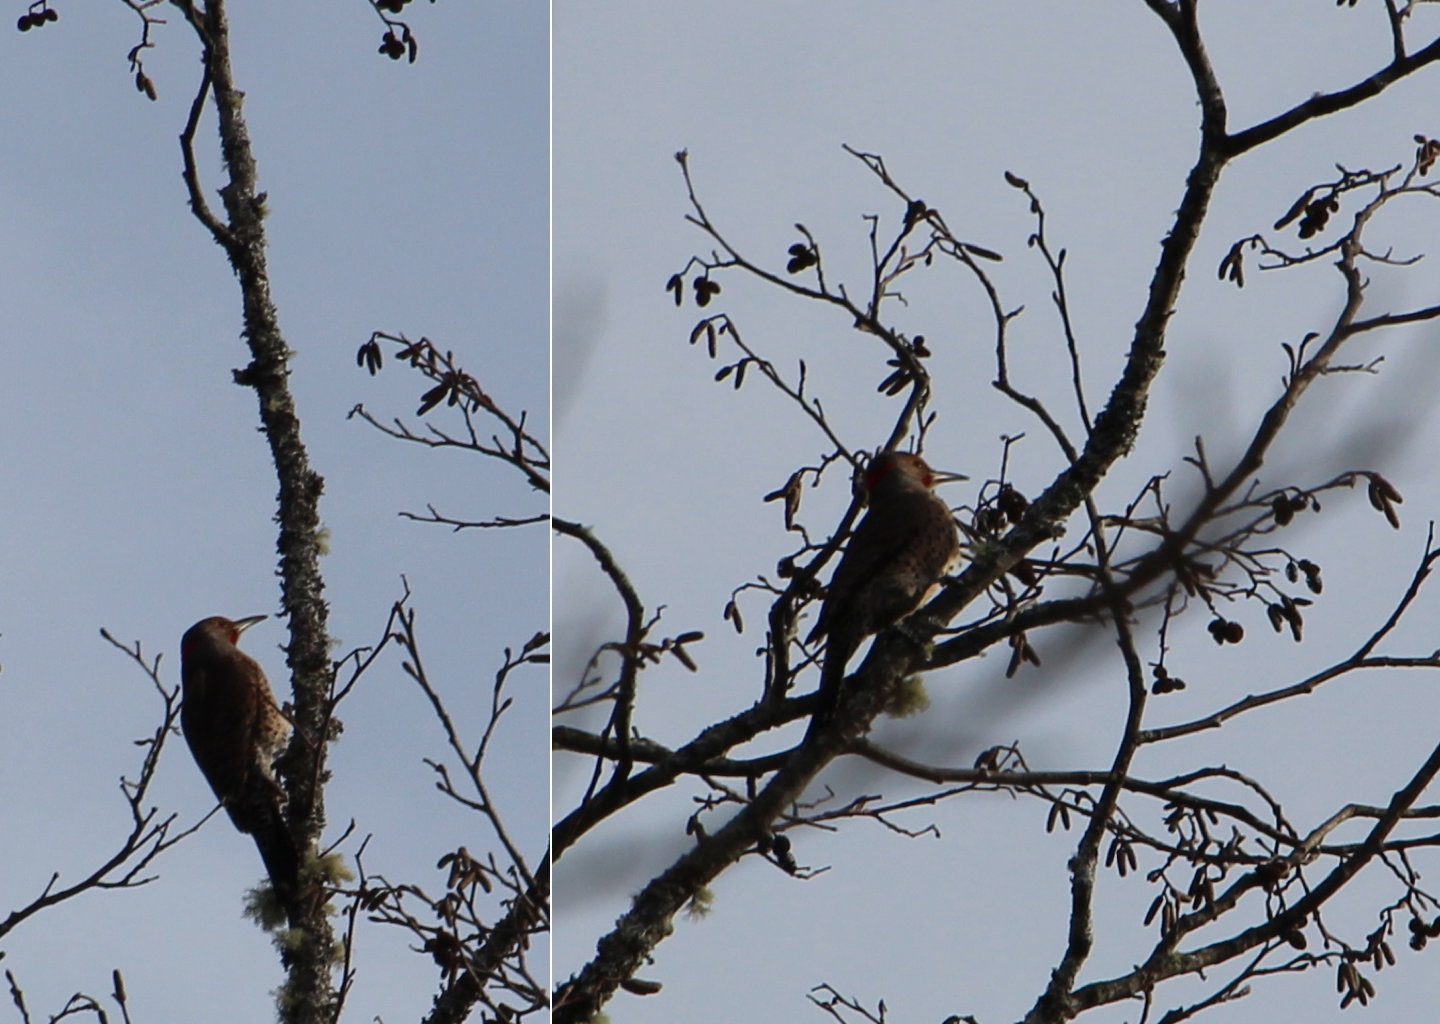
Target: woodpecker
pixel 235 730
pixel 895 558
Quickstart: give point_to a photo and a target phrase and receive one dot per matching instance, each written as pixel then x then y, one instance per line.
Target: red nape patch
pixel 887 462
pixel 875 473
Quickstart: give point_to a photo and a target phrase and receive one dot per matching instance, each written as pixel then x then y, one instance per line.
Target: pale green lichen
pixel 700 904
pixel 909 698
pixel 262 905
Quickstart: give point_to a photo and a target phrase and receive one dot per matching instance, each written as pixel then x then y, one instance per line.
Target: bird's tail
pixel 259 815
pixel 281 856
pixel 838 650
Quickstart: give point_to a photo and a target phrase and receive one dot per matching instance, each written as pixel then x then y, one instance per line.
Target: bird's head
pixel 904 470
pixel 216 630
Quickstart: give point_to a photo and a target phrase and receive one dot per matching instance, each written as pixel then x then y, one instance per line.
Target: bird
pixel 235 729
pixel 894 560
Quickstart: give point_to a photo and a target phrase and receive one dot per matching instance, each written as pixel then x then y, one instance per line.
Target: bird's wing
pixel 882 534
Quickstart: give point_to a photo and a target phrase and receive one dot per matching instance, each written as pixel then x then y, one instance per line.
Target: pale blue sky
pixel 137 494
pixel 1093 105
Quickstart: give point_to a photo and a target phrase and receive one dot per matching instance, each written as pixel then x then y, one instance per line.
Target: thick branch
pixel 309 993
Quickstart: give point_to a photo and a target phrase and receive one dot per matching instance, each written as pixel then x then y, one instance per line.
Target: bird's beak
pixel 948 478
pixel 241 625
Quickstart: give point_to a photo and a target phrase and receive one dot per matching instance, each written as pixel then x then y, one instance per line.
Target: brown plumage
pixel 235 729
pixel 903 546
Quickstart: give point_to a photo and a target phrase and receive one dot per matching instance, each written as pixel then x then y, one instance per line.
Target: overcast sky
pixel 137 494
pixel 1093 105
